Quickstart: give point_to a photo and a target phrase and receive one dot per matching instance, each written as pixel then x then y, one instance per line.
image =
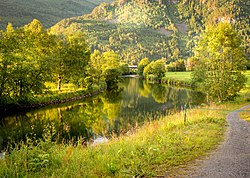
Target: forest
pixel 48 12
pixel 34 63
pixel 155 29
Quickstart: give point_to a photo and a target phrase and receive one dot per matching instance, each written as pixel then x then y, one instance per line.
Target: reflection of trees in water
pixel 63 124
pixel 113 112
pixel 159 93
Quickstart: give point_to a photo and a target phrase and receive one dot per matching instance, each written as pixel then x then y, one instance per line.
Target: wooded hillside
pixel 156 28
pixel 21 12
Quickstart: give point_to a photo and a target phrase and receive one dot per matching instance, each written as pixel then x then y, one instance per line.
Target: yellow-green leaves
pixel 220 62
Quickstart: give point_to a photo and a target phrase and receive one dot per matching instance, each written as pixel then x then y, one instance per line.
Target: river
pixel 98 118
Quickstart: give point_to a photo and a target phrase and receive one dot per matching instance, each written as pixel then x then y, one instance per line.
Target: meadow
pixel 186 76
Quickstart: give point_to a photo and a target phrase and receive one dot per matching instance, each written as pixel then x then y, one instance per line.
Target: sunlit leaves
pixel 221 62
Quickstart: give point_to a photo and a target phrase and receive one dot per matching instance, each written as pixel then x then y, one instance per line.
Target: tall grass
pixel 149 151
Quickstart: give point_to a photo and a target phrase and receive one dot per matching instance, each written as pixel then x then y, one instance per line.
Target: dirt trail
pixel 232 159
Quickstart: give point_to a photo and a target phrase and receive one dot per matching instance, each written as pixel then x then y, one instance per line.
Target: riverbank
pixel 49 99
pixel 152 150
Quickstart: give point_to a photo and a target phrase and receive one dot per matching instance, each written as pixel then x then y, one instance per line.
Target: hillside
pixel 20 12
pixel 136 35
pixel 155 29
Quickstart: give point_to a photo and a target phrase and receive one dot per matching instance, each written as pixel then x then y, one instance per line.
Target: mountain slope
pixel 134 31
pixel 156 28
pixel 20 12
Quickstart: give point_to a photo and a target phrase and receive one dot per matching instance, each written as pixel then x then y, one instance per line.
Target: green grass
pixel 245 115
pixel 187 76
pixel 155 148
pixel 179 75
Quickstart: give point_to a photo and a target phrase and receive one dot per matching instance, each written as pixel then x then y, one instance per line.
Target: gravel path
pixel 232 159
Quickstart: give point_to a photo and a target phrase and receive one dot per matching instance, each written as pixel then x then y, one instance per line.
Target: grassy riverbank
pixel 151 150
pixel 184 79
pixel 50 97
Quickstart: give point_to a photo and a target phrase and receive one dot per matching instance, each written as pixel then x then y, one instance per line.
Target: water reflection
pixel 109 114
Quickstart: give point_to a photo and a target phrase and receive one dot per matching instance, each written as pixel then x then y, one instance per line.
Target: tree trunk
pixel 59 82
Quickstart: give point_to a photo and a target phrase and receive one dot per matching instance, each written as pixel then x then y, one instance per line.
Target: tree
pixel 156 68
pixel 23 60
pixel 95 67
pixel 159 69
pixel 142 64
pixel 71 56
pixel 111 68
pixel 220 63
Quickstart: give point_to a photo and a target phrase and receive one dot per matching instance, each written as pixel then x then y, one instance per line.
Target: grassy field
pixel 47 11
pixel 179 75
pixel 187 76
pixel 152 150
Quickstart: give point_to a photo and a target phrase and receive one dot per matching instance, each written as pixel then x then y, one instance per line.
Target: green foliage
pixel 112 77
pixel 132 43
pixel 156 68
pixel 48 12
pixel 29 57
pixel 142 64
pixel 70 58
pixel 176 66
pixel 221 62
pixel 199 14
pixel 24 53
pixel 106 67
pixel 111 68
pixel 125 69
pixel 149 15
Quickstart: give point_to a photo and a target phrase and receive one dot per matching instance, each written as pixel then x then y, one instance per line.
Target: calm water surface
pixel 109 114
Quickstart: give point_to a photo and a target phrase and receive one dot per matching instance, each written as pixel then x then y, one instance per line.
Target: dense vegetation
pixel 48 12
pixel 220 63
pixel 31 60
pixel 148 33
pixel 161 29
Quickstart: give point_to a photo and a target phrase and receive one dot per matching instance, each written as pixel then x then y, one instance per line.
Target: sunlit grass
pixel 67 87
pixel 179 75
pixel 151 150
pixel 245 115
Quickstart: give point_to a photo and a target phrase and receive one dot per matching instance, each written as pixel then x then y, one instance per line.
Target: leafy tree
pixel 24 54
pixel 111 68
pixel 71 56
pixel 221 62
pixel 112 77
pixel 156 68
pixel 142 64
pixel 159 69
pixel 125 69
pixel 95 67
pixel 178 65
